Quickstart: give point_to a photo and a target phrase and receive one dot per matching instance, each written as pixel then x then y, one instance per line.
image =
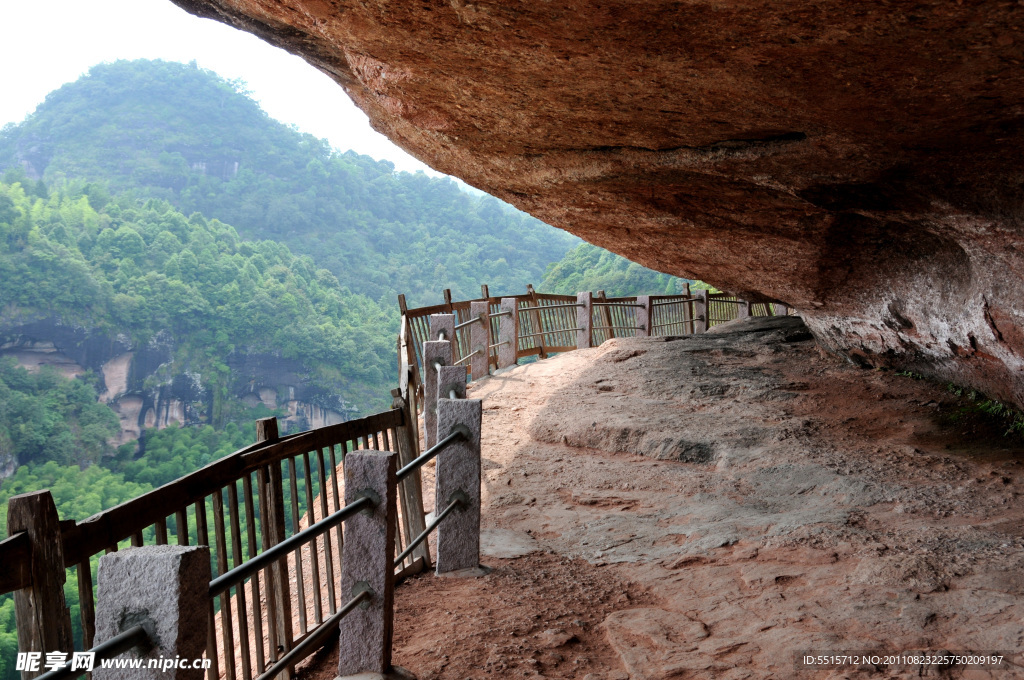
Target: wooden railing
pixel 548 324
pixel 239 506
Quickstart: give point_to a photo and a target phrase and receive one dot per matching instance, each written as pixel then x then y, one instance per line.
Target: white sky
pixel 46 43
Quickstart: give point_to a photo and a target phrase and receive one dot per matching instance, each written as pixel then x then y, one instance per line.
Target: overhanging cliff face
pixel 860 161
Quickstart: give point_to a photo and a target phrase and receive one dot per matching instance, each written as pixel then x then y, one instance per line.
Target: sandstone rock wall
pixel 143 387
pixel 859 161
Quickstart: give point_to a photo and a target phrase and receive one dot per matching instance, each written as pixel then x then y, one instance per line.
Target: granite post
pixel 166 589
pixel 458 477
pixel 367 564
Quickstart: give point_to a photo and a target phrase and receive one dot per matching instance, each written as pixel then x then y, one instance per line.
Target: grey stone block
pixel 434 350
pixel 442 322
pixel 458 476
pixel 367 563
pixel 508 333
pixel 479 339
pixel 584 325
pixel 643 315
pixel 451 378
pixel 166 588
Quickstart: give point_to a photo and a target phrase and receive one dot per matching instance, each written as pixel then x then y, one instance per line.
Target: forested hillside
pixel 182 133
pixel 587 267
pixel 142 268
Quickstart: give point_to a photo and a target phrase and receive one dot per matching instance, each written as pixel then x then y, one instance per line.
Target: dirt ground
pixel 717 506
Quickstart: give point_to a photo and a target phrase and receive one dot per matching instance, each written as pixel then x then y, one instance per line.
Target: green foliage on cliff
pixel 44 416
pixel 182 133
pixel 144 268
pixel 587 267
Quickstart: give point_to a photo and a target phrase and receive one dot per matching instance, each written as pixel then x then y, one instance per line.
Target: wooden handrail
pixel 86 537
pixel 16 573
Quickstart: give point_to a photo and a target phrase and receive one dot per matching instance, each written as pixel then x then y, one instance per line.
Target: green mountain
pixel 182 133
pixel 587 267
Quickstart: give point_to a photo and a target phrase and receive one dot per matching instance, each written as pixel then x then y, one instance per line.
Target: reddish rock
pixel 859 162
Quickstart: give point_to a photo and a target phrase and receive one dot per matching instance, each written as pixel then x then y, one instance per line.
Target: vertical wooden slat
pixel 87 606
pixel 203 538
pixel 328 548
pixel 161 531
pixel 300 585
pixel 227 629
pixel 257 604
pixel 181 520
pixel 314 546
pixel 239 558
pixel 339 536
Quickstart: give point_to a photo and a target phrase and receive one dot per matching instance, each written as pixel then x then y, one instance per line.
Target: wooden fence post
pixel 643 316
pixel 701 311
pixel 458 477
pixel 485 291
pixel 535 321
pixel 41 615
pixel 366 632
pixel 687 311
pixel 434 351
pixel 584 320
pixel 410 491
pixel 279 599
pixel 479 338
pixel 508 333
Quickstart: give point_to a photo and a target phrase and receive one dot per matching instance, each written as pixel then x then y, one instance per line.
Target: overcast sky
pixel 46 43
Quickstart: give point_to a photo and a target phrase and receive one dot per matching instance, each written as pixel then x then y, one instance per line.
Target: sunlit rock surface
pixel 861 162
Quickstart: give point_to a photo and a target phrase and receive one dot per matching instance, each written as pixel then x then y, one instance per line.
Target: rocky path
pixel 709 507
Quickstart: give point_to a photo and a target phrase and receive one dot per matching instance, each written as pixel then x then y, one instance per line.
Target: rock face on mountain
pixel 861 163
pixel 146 387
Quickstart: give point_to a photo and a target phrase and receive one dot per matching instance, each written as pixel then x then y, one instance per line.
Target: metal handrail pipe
pixel 467 357
pixel 442 335
pixel 616 304
pixel 426 532
pixel 507 312
pixel 560 306
pixel 468 323
pixel 498 344
pixel 460 432
pixel 136 636
pixel 229 579
pixel 674 323
pixel 673 302
pixel 316 638
pixel 552 332
pixel 621 328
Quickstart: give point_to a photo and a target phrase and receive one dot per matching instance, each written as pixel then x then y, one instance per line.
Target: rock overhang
pixel 858 161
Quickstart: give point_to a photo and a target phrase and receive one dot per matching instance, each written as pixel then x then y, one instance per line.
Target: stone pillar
pixel 458 476
pixel 166 588
pixel 687 311
pixel 508 333
pixel 433 351
pixel 700 312
pixel 643 315
pixel 745 310
pixel 479 339
pixel 446 323
pixel 584 324
pixel 367 564
pixel 451 378
pixel 781 309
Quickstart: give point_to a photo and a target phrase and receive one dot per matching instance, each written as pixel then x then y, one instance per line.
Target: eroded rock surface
pixel 860 162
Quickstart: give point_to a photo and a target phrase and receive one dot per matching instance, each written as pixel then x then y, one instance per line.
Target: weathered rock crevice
pixel 861 163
